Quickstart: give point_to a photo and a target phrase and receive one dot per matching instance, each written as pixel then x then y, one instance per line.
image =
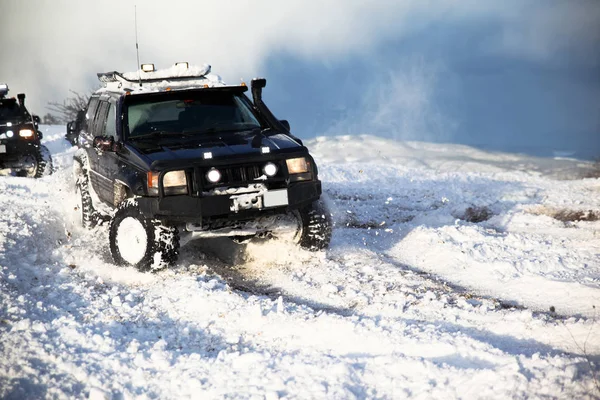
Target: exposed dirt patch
pixel 475 214
pixel 572 215
pixel 566 215
pixel 353 221
pixel 594 172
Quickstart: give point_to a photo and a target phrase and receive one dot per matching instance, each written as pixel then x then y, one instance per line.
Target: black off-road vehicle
pixel 173 152
pixel 20 147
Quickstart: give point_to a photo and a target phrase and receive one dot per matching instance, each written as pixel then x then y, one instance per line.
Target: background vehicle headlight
pixel 213 175
pixel 297 165
pixel 26 133
pixel 270 169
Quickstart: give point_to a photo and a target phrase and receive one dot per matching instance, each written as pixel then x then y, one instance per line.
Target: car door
pixel 108 162
pixel 101 184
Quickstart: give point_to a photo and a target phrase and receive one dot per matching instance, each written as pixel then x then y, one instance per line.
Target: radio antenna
pixel 137 48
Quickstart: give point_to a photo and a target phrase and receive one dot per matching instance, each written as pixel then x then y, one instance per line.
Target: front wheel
pixel 141 242
pixel 315 226
pixel 41 164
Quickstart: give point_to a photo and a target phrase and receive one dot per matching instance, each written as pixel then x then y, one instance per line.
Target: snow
pixel 205 78
pixel 453 273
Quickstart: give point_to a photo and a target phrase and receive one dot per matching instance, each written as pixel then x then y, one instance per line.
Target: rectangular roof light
pixel 148 67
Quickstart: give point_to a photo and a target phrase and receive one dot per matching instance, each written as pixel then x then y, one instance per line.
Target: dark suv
pixel 167 155
pixel 20 147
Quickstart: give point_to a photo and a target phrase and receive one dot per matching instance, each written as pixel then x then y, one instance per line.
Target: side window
pixel 110 129
pixel 100 119
pixel 90 113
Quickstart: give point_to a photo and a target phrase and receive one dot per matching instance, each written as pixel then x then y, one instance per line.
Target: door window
pixel 90 113
pixel 110 129
pixel 100 119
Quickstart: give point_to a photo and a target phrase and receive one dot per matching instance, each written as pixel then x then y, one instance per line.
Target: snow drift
pixel 449 276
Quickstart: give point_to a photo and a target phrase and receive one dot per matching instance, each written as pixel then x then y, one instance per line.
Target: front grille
pixel 239 175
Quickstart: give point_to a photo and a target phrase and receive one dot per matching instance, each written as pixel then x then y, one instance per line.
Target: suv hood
pixel 220 145
pixel 13 121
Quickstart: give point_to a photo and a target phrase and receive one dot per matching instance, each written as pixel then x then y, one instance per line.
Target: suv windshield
pixel 193 113
pixel 9 109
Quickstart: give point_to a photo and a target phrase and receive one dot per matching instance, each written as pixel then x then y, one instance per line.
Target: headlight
pixel 175 178
pixel 213 175
pixel 270 169
pixel 171 179
pixel 297 165
pixel 26 133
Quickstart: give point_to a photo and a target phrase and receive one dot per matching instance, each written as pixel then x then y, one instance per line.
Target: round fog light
pixel 270 169
pixel 213 175
pixel 9 133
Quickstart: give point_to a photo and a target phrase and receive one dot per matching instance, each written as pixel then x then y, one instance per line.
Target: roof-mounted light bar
pixel 148 68
pixel 182 65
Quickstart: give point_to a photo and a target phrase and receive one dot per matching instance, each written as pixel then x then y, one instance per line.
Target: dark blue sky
pixel 465 94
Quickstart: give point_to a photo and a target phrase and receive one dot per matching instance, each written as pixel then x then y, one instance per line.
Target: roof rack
pixel 114 76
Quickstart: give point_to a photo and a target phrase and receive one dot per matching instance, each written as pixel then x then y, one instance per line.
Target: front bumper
pixel 16 154
pixel 206 209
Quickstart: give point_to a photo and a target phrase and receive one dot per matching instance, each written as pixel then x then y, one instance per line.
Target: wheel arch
pixel 122 191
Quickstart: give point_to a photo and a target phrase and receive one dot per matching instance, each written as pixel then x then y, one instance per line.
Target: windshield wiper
pixel 216 129
pixel 158 134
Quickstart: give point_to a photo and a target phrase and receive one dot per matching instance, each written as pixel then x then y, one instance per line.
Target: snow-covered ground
pixel 453 273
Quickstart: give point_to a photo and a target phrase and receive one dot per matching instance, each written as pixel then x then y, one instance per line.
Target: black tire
pixel 45 166
pixel 42 164
pixel 150 245
pixel 316 227
pixel 87 214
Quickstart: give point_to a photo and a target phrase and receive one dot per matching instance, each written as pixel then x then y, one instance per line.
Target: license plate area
pixel 259 200
pixel 275 198
pixel 2 148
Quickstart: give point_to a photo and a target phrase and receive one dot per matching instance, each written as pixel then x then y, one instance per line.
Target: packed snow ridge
pixel 453 273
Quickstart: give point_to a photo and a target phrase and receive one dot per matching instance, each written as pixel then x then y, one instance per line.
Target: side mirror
pixel 40 135
pixel 286 124
pixel 70 128
pixel 104 143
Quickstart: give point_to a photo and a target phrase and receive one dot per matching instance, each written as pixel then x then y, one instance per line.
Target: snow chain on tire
pixel 44 162
pixel 89 216
pixel 162 247
pixel 316 227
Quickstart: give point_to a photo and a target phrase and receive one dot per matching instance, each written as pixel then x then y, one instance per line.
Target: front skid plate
pixel 284 225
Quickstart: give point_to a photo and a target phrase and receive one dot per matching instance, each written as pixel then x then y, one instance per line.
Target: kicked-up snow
pixel 453 273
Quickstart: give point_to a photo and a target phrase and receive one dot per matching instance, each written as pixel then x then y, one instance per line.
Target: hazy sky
pixel 515 74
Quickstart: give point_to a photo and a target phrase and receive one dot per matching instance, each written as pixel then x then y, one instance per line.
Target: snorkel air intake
pixel 257 86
